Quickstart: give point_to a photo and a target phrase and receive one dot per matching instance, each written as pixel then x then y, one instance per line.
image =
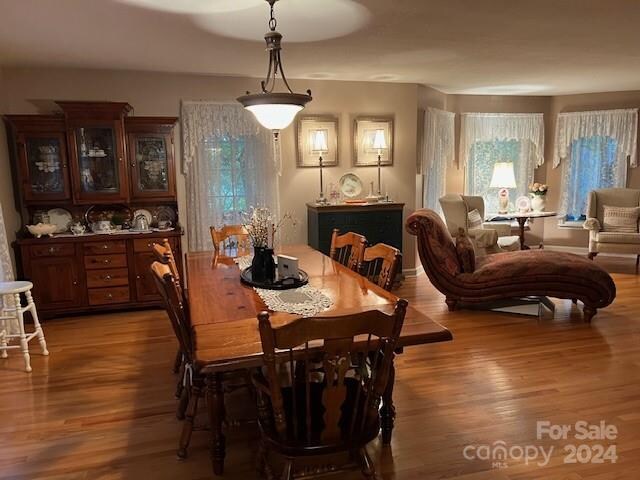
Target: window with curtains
pixel 594 148
pixel 592 165
pixel 490 138
pixel 230 165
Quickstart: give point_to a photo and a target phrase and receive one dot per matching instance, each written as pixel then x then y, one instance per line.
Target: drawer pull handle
pixel 105 246
pixel 107 277
pixel 106 260
pixel 138 277
pixel 75 282
pixel 52 249
pixel 149 244
pixel 109 296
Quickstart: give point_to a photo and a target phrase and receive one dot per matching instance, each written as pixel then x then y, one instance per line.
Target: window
pixel 594 148
pixel 592 165
pixel 228 190
pixel 482 157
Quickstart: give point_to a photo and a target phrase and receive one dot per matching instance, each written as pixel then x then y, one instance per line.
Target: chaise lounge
pixel 509 274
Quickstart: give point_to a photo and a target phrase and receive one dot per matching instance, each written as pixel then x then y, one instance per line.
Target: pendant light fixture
pixel 274 110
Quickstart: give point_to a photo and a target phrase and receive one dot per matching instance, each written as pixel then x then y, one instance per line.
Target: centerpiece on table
pixel 538 193
pixel 262 229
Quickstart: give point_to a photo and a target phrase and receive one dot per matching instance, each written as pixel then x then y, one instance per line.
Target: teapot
pixel 141 223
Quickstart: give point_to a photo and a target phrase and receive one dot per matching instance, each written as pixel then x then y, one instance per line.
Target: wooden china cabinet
pixel 92 157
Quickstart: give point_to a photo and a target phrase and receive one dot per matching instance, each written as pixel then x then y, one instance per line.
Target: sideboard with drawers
pixel 92 273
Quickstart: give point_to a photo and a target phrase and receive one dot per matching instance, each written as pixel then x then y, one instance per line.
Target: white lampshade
pixel 275 116
pixel 319 141
pixel 503 176
pixel 379 142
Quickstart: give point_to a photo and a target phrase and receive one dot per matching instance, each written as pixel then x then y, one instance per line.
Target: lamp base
pixel 503 201
pixel 321 200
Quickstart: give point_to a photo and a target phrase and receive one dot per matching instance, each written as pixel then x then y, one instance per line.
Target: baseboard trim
pixel 413 272
pixel 584 251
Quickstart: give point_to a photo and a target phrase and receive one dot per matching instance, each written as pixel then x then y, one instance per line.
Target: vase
pixel 263 267
pixel 538 202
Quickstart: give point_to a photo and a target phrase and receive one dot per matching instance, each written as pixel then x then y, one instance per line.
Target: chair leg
pixel 3 342
pixel 592 255
pixel 24 345
pixel 287 472
pixel 368 468
pixel 183 404
pixel 187 426
pixel 637 262
pixel 588 313
pixel 451 303
pixel 31 306
pixel 180 384
pixel 177 363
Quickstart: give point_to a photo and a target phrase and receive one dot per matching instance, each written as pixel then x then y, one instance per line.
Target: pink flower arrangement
pixel 538 188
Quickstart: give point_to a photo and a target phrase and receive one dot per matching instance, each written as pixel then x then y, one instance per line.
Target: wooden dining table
pixel 223 315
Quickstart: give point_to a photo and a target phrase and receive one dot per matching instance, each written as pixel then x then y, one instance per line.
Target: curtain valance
pixel 486 127
pixel 620 125
pixel 203 120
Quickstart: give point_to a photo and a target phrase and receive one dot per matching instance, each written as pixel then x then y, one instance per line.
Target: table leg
pixel 521 223
pixel 388 410
pixel 215 407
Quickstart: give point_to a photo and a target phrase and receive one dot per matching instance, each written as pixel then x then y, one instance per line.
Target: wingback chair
pixel 491 238
pixel 509 274
pixel 611 242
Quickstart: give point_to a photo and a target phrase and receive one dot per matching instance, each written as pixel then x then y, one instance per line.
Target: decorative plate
pixel 523 204
pixel 61 218
pixel 350 185
pixel 146 213
pixel 165 212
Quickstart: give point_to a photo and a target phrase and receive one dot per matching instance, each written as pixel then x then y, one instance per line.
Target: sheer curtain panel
pixel 594 148
pixel 229 164
pixel 438 153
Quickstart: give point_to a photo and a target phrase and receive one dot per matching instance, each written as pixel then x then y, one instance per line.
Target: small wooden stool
pixel 13 310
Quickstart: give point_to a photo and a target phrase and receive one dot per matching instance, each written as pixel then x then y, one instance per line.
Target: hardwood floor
pixel 101 405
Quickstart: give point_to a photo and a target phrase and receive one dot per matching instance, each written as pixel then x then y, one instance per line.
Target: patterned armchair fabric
pixel 491 238
pixel 611 242
pixel 508 274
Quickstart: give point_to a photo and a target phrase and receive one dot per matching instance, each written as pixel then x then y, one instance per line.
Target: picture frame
pixel 364 131
pixel 305 128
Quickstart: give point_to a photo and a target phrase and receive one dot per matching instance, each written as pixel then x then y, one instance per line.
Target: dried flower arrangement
pixel 261 226
pixel 538 188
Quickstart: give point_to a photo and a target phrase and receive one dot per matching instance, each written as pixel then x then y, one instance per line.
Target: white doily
pixel 243 262
pixel 305 301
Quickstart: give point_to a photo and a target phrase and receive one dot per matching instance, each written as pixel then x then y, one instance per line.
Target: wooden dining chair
pixel 347 249
pixel 323 382
pixel 164 254
pixel 381 264
pixel 230 241
pixel 176 308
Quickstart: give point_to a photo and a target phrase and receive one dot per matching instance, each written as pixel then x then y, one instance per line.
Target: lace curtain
pixel 229 164
pixel 6 275
pixel 487 138
pixel 437 155
pixel 593 148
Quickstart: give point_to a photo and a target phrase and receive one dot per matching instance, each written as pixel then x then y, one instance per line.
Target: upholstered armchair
pixel 490 237
pixel 506 275
pixel 611 242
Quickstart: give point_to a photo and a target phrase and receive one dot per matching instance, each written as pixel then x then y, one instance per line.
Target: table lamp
pixel 319 146
pixel 379 143
pixel 503 178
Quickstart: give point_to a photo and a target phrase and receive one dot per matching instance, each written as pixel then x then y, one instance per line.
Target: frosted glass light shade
pixel 379 142
pixel 274 116
pixel 503 176
pixel 319 143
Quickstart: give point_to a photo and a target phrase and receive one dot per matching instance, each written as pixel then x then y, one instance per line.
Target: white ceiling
pixel 539 47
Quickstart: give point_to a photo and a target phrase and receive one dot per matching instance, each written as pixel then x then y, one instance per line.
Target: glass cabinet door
pixel 98 161
pixel 151 162
pixel 44 166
